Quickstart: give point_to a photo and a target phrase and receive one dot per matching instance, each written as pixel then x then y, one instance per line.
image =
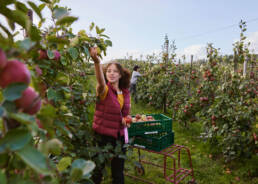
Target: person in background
pixel 112 107
pixel 133 81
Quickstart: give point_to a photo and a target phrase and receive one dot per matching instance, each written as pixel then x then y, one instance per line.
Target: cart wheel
pixel 139 169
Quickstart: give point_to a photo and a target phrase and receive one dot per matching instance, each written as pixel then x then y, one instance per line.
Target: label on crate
pixel 140 146
pixel 153 132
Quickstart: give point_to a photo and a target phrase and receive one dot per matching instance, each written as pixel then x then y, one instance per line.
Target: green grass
pixel 207 169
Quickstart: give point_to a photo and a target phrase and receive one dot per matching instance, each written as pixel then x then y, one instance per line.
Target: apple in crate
pixel 134 120
pixel 138 116
pixel 150 118
pixel 144 117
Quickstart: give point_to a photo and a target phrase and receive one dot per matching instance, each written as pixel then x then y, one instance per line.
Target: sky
pixel 138 27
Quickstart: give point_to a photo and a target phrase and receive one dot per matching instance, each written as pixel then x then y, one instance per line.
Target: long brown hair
pixel 124 81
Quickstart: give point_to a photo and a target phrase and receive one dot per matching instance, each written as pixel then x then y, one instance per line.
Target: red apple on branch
pixel 57 55
pixel 3 60
pixel 14 71
pixel 39 123
pixel 43 54
pixel 29 102
pixel 38 70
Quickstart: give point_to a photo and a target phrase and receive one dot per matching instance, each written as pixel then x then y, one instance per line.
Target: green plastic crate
pixel 162 123
pixel 155 142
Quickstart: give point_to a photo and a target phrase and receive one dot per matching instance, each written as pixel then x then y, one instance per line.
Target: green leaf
pixel 50 54
pixel 4 42
pixel 20 6
pixel 92 26
pixel 14 140
pixel 51 94
pixel 41 22
pixel 64 163
pixel 23 118
pixel 42 6
pixel 8 14
pixel 34 159
pixel 102 30
pixel 16 33
pixel 25 44
pixel 61 125
pixel 57 40
pixel 34 33
pixel 1 111
pixel 21 18
pixel 62 78
pixel 66 20
pixel 88 181
pixel 6 2
pixel 3 177
pixel 11 24
pixel 35 8
pixel 4 158
pixel 10 36
pixel 45 1
pixel 86 51
pixel 108 42
pixel 9 106
pixel 60 12
pixel 63 61
pixel 14 91
pixel 104 36
pixel 85 166
pixel 47 111
pixel 18 179
pixel 76 174
pixel 73 52
pixel 97 30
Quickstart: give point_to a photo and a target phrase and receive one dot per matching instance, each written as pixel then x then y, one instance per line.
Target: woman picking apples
pixel 111 111
pixel 133 81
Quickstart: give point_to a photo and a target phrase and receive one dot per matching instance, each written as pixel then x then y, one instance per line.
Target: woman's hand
pixel 125 123
pixel 94 54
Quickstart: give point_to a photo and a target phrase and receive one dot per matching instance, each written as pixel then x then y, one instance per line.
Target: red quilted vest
pixel 108 114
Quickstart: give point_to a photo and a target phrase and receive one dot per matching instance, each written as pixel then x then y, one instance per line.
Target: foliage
pixel 55 145
pixel 216 93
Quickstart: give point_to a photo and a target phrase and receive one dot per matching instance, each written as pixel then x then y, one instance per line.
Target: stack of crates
pixel 153 135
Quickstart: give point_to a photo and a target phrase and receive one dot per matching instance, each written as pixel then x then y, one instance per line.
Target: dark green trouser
pixel 117 164
pixel 133 92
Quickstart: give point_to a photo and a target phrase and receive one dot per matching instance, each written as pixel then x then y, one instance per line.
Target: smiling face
pixel 112 74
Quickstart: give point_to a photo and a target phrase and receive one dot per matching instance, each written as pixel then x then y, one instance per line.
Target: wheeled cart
pixel 173 173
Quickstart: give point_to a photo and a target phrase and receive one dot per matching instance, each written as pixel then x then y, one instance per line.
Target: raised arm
pixel 101 83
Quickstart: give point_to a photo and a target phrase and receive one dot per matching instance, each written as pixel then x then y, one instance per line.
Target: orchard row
pixel 220 93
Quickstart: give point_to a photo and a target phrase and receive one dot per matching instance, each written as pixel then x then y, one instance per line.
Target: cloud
pixel 198 51
pixel 113 53
pixel 253 39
